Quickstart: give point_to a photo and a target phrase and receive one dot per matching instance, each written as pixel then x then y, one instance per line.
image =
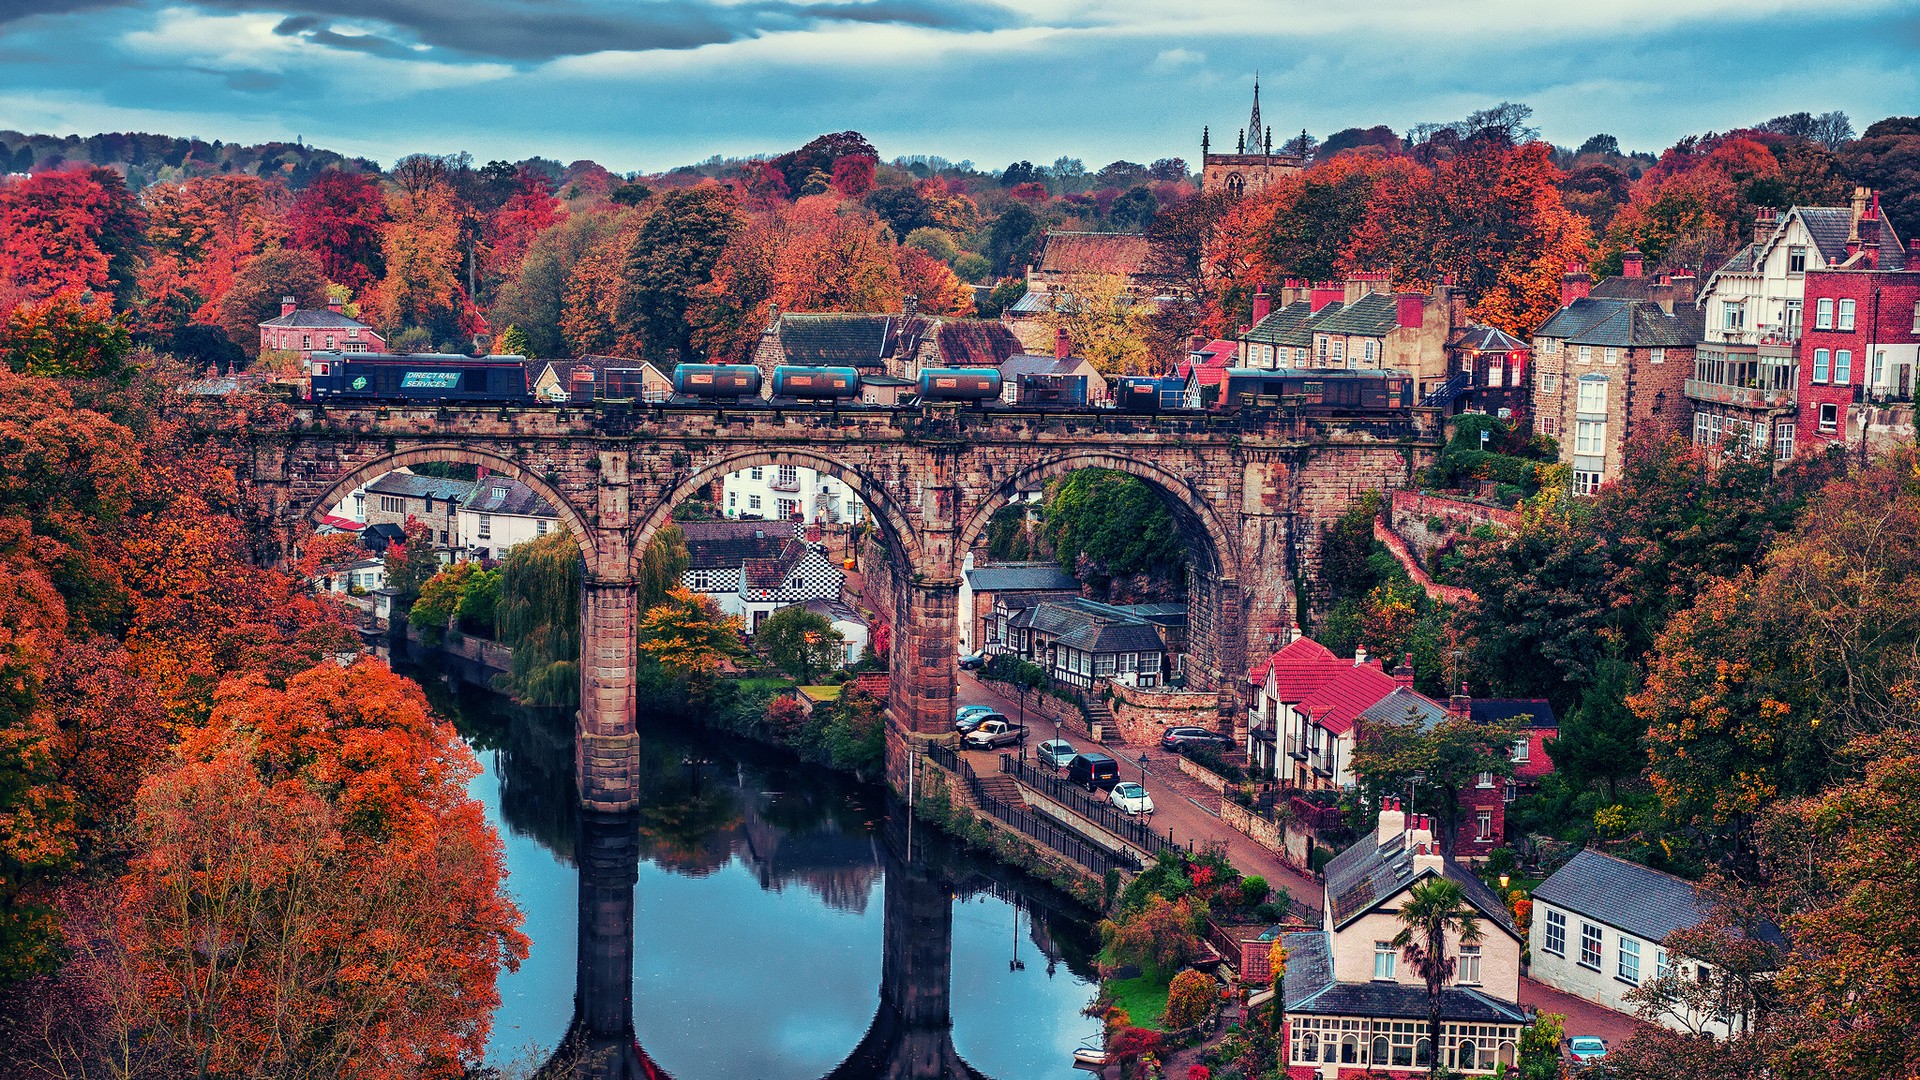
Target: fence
pixel 1053 834
pixel 1075 798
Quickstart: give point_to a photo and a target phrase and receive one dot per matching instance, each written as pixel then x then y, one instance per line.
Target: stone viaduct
pixel 1249 492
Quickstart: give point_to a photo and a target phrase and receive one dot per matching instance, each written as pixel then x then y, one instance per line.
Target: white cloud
pixel 838 46
pixel 1170 61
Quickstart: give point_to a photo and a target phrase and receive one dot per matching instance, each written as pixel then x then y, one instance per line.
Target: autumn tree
pixel 525 214
pixel 1192 996
pixel 71 228
pixel 321 835
pixel 1450 756
pixel 411 563
pixel 339 217
pixel 1160 937
pixel 256 291
pixel 535 298
pixel 211 226
pixel 1107 325
pixel 36 832
pixel 689 636
pixel 1886 157
pixel 68 335
pixel 424 258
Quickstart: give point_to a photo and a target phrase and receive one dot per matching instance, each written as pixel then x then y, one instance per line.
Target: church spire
pixel 1253 125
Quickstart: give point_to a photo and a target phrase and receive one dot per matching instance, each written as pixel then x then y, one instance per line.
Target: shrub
pixel 1253 890
pixel 1190 999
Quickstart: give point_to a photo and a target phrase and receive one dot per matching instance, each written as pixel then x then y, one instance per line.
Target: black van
pixel 1093 771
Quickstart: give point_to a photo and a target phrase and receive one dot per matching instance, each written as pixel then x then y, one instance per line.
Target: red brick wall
pixel 1886 323
pixel 1467 845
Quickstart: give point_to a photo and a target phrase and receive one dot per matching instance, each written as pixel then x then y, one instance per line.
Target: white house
pixel 789 493
pixel 1302 720
pixel 752 569
pixel 1600 927
pixel 1352 1000
pixel 502 513
pixel 852 628
pixel 981 587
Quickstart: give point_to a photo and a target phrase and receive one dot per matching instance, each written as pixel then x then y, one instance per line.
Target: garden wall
pixel 1290 843
pixel 1144 715
pixel 1428 523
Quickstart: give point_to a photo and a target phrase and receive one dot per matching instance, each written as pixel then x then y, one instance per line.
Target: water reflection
pixel 736 920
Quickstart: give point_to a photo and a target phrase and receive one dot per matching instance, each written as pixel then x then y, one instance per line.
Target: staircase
pixel 1000 786
pixel 1098 713
pixel 1444 395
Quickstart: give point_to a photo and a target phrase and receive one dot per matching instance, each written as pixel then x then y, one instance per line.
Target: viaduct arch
pixel 1250 492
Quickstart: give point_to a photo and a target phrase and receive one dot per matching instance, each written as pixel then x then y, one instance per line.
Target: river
pixel 768 917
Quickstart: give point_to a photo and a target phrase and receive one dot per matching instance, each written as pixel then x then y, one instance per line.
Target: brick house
pixel 1356 324
pixel 1489 368
pixel 1861 347
pixel 1749 366
pixel 434 501
pixel 1611 365
pixel 1355 1008
pixel 302 330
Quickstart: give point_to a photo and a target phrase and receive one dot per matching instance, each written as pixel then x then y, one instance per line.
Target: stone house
pixel 1357 324
pixel 432 500
pixel 1860 350
pixel 1353 1004
pixel 981 587
pixel 1081 642
pixel 304 331
pixel 1600 927
pixel 1487 368
pixel 874 344
pixel 501 513
pixel 752 569
pixel 1608 370
pixel 1067 260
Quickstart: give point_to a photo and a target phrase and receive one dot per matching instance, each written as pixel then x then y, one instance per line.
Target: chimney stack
pixel 1411 309
pixel 1870 234
pixel 287 305
pixel 1860 197
pixel 1683 286
pixel 1765 220
pixel 1062 344
pixel 334 305
pixel 1403 674
pixel 1576 283
pixel 1359 656
pixel 1262 303
pixel 1324 293
pixel 1913 252
pixel 1461 704
pixel 1393 820
pixel 1196 343
pixel 1632 263
pixel 1661 292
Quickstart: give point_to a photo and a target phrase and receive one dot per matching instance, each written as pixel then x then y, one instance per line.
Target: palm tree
pixel 1434 909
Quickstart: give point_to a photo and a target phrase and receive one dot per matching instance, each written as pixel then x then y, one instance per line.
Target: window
pixel 1823 314
pixel 1657 356
pixel 392 504
pixel 1469 969
pixel 1383 959
pixel 1820 357
pixel 1339 348
pixel 329 341
pixel 1590 437
pixel 1733 315
pixel 1522 751
pixel 1846 315
pixel 1496 373
pixel 1829 417
pixel 1796 260
pixel 733 499
pixel 485 531
pixel 540 527
pixel 1300 353
pixel 753 502
pixel 1549 383
pixel 1783 441
pixel 1916 316
pixel 1549 425
pixel 1842 366
pixel 1103 664
pixel 1369 348
pixel 1320 346
pixel 1879 366
pixel 1629 967
pixel 1793 319
pixel 1556 942
pixel 306 341
pixel 1586 354
pixel 700 581
pixel 1483 824
pixel 1511 793
pixel 789 475
pixel 1613 355
pixel 1589 946
pixel 1585 482
pixel 1593 395
pixel 1486 780
pixel 757 473
pixel 786 508
pixel 1662 964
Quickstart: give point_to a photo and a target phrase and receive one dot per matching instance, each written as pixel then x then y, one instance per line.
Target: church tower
pixel 1253 165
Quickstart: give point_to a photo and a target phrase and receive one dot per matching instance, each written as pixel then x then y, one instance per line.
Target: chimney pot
pixel 1324 293
pixel 287 305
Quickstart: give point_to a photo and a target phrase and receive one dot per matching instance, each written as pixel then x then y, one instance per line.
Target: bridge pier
pixel 606 745
pixel 921 686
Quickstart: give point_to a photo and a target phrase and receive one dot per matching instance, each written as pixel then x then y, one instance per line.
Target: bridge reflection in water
pixel 911 1037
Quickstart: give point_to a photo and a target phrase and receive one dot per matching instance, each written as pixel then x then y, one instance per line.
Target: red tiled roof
pixel 1345 694
pixel 976 343
pixel 1093 253
pixel 1299 649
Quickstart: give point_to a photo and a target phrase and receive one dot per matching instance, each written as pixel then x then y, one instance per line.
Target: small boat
pixel 1090 1057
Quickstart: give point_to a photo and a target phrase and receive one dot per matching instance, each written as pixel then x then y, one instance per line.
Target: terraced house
pixel 1357 324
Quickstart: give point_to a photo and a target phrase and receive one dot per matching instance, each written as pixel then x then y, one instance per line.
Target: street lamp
pixel 1143 768
pixel 1503 881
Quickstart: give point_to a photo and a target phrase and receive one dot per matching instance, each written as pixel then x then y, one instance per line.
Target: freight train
pixel 443 377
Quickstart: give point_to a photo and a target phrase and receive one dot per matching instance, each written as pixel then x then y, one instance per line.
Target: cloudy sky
pixel 648 84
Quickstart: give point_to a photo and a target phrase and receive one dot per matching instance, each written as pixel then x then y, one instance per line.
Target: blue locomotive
pixel 419 377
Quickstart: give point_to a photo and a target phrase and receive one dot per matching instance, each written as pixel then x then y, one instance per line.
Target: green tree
pixel 439 600
pixel 673 254
pixel 1106 524
pixel 538 617
pixel 513 342
pixel 1450 756
pixel 1540 1047
pixel 662 564
pixel 412 564
pixel 799 642
pixel 1599 742
pixel 1435 910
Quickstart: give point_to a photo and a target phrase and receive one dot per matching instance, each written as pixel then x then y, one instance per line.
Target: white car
pixel 1131 798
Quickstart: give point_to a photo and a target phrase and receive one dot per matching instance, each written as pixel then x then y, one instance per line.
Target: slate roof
pixel 1089 625
pixel 835 610
pixel 1370 874
pixel 1623 323
pixel 505 495
pixel 1038 576
pixel 415 486
pixel 322 319
pixel 564 371
pixel 1484 710
pixel 1627 896
pixel 1487 339
pixel 724 545
pixel 1093 253
pixel 1311 990
pixel 1031 364
pixel 1288 325
pixel 1394 706
pixel 975 342
pixel 848 340
pixel 1096 637
pixel 769 573
pixel 1829 226
pixel 1372 315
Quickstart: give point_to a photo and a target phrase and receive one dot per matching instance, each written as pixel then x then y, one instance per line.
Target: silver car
pixel 1055 752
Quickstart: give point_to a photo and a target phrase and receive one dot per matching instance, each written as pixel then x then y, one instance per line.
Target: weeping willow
pixel 538 611
pixel 538 614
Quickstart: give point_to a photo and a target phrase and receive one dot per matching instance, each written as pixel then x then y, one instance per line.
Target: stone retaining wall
pixel 1428 523
pixel 1290 844
pixel 1143 716
pixel 1212 780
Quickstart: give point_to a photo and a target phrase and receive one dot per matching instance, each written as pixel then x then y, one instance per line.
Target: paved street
pixel 1583 1016
pixel 1180 803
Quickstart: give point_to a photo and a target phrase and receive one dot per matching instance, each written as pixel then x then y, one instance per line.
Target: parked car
pixel 1585 1048
pixel 968 717
pixel 1091 770
pixel 1131 798
pixel 1175 738
pixel 1055 752
pixel 973 661
pixel 994 731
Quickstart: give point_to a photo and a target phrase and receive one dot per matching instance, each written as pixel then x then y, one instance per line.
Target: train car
pixel 716 380
pixel 959 384
pixel 1148 394
pixel 418 377
pixel 1319 391
pixel 816 383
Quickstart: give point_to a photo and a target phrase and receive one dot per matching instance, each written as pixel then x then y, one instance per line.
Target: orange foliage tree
pixel 312 893
pixel 211 226
pixel 421 248
pixel 75 228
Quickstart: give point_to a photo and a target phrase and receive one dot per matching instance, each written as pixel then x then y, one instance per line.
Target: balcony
pixel 1744 397
pixel 780 484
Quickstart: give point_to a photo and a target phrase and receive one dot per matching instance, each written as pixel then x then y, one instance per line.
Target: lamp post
pixel 1143 768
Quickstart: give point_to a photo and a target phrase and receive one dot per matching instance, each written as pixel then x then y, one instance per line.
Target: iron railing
pixel 1075 798
pixel 1054 834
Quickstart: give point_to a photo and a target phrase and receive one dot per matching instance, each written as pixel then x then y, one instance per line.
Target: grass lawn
pixel 765 684
pixel 829 692
pixel 1144 999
